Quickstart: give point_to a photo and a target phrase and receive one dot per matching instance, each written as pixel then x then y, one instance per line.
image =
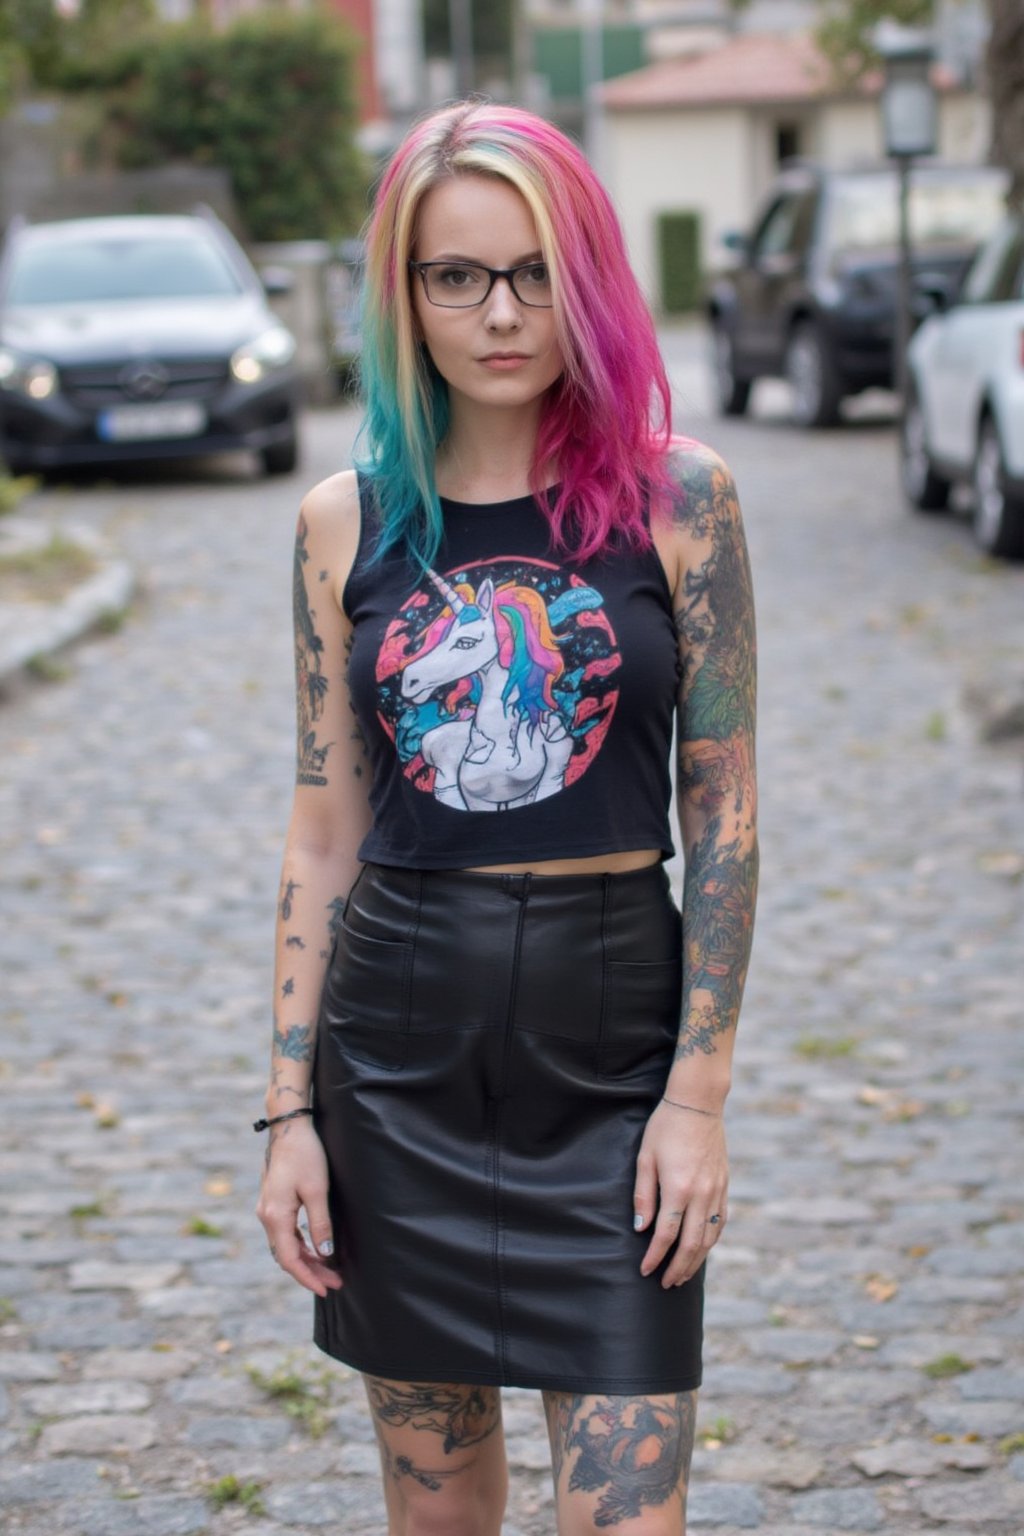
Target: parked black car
pixel 138 337
pixel 813 296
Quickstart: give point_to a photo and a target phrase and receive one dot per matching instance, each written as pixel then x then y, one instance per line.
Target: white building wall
pixel 965 128
pixel 662 161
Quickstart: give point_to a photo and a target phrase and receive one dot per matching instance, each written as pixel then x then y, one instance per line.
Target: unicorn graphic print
pixel 495 683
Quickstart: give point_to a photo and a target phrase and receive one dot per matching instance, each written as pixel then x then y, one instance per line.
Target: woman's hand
pixel 295 1175
pixel 682 1174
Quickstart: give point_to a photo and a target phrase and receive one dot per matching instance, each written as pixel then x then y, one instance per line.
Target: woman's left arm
pixel 682 1169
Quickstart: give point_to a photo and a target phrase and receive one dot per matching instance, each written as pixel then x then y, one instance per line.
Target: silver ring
pixel 715 1219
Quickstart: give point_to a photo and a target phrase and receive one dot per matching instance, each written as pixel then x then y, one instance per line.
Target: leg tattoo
pixel 462 1415
pixel 632 1451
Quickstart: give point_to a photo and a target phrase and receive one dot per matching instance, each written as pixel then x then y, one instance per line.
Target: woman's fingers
pixel 290 1251
pixel 645 1191
pixel 667 1228
pixel 685 1230
pixel 698 1236
pixel 291 1254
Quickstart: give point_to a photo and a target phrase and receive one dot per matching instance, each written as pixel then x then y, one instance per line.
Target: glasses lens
pixel 456 287
pixel 533 284
pixel 461 285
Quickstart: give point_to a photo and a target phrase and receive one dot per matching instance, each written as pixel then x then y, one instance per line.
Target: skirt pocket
pixel 365 1007
pixel 640 1017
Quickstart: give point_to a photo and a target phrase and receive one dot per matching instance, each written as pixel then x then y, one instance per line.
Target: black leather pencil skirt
pixel 489 1049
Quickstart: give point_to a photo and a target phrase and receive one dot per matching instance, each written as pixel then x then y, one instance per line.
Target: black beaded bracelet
pixel 262 1125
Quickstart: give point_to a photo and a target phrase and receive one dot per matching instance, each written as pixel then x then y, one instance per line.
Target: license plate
pixel 169 418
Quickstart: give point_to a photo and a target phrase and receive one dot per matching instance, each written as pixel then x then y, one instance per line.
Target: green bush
pixel 269 99
pixel 679 260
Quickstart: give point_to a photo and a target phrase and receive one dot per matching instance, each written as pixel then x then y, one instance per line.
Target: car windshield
pixel 864 211
pixel 95 269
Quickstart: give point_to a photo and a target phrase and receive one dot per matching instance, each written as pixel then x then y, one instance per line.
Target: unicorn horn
pixel 447 591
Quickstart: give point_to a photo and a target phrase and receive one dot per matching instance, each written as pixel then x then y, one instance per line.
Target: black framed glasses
pixel 465 284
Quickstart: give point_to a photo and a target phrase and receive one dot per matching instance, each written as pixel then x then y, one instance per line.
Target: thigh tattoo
pixel 632 1451
pixel 461 1415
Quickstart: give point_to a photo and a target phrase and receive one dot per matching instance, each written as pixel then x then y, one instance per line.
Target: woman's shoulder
pixel 329 526
pixel 694 465
pixel 333 503
pixel 704 491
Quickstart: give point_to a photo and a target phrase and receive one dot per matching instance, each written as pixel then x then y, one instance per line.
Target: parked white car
pixel 964 416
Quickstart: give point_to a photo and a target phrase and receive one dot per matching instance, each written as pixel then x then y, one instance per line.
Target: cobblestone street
pixel 865 1319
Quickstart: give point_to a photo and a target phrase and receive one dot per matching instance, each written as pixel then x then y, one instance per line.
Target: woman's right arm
pixel 330 815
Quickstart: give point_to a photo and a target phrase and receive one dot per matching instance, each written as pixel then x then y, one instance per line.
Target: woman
pixel 513 1166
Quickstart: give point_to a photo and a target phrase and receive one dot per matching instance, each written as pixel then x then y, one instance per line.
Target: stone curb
pixel 29 630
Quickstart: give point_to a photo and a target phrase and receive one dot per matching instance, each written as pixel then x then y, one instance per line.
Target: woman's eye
pixel 459 277
pixel 536 275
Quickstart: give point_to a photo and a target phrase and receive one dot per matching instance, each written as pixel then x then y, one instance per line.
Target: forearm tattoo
pixel 310 682
pixel 633 1452
pixel 716 778
pixel 294 1042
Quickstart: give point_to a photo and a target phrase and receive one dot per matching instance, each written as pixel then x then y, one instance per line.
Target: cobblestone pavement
pixel 865 1318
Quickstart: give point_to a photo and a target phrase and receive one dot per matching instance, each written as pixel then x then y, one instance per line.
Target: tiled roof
pixel 752 68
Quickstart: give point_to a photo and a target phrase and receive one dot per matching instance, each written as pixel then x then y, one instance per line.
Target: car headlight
pixel 35 377
pixel 271 349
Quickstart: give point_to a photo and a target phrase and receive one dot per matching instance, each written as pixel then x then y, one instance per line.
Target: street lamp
pixel 910 129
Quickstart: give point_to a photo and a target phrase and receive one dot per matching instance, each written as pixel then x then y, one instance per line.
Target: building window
pixel 787 142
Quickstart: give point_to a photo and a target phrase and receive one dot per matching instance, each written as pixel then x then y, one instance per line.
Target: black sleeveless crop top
pixel 515 707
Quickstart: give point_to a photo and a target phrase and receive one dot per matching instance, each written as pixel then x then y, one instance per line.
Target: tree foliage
pixel 269 99
pixel 844 31
pixel 845 36
pixel 30 45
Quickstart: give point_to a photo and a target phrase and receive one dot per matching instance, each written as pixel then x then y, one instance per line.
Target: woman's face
pixel 502 352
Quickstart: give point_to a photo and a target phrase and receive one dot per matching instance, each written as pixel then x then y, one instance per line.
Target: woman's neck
pixel 487 454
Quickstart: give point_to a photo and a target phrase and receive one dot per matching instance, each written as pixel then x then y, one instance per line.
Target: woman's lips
pixel 504 363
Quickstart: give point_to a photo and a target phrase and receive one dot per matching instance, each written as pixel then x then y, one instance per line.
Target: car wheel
pixel 812 376
pixel 731 394
pixel 925 489
pixel 998 514
pixel 282 458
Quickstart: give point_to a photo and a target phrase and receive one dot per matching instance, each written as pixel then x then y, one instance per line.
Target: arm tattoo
pixel 295 1042
pixel 310 682
pixel 632 1451
pixel 717 703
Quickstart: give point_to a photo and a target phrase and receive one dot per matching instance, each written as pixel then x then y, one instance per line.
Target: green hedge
pixel 679 260
pixel 269 99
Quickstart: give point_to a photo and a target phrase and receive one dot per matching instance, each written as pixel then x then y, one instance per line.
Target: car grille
pixel 93 385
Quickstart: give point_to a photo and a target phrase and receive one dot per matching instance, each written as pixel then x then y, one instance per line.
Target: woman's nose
pixel 502 305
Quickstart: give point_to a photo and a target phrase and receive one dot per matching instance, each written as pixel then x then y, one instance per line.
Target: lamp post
pixel 910 129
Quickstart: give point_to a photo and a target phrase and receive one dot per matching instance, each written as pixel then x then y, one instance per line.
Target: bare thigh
pixel 621 1462
pixel 443 1456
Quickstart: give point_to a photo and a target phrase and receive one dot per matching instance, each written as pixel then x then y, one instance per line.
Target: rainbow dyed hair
pixel 605 423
